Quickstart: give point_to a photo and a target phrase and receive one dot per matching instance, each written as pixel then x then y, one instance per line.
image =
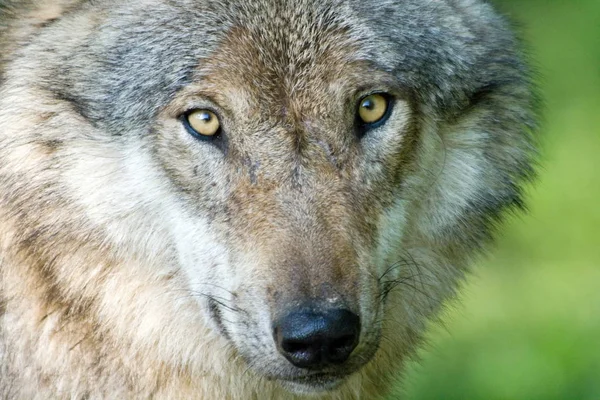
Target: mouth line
pixel 312 378
pixel 315 383
pixel 316 378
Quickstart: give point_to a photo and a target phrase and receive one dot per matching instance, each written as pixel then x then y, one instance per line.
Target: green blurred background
pixel 528 324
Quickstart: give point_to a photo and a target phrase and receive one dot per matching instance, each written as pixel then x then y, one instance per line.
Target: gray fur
pixel 111 210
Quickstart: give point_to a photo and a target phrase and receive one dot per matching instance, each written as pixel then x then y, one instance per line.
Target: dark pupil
pixel 369 104
pixel 205 117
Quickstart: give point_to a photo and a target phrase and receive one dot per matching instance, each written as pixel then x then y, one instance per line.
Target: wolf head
pixel 299 231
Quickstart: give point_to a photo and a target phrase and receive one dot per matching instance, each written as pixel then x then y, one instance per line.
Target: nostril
pixel 311 339
pixel 291 346
pixel 342 342
pixel 340 349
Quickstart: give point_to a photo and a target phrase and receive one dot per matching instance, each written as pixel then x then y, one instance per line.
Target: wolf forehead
pixel 120 74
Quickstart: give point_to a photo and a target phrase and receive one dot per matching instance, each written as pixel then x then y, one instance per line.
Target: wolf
pixel 246 199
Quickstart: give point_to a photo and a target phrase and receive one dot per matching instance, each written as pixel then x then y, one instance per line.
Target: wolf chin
pixel 245 199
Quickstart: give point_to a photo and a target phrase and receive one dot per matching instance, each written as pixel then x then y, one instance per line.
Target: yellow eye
pixel 204 122
pixel 373 108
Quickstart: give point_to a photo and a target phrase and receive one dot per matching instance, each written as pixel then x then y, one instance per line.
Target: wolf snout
pixel 314 339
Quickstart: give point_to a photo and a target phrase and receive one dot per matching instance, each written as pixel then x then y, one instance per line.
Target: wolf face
pixel 269 192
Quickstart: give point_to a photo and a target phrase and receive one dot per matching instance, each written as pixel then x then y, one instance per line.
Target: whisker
pixel 414 281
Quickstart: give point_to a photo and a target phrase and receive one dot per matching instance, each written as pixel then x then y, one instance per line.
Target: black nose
pixel 310 339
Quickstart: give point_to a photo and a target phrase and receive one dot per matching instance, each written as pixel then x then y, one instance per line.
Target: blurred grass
pixel 528 323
